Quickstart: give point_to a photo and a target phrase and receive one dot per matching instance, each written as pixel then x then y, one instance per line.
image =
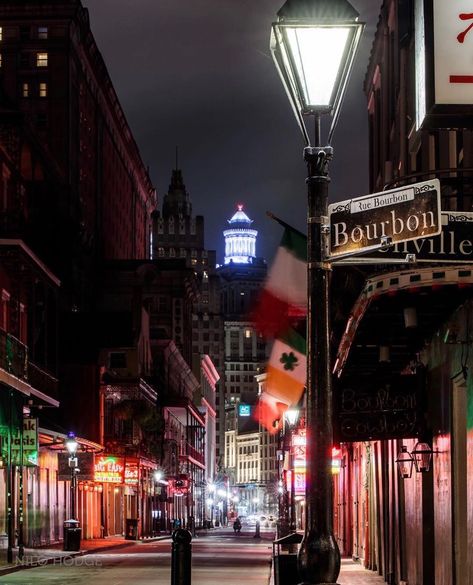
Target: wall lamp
pixel 420 458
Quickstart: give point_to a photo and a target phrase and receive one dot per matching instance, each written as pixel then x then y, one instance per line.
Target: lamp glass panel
pixel 405 463
pixel 318 54
pixel 71 445
pixel 422 454
pixel 292 414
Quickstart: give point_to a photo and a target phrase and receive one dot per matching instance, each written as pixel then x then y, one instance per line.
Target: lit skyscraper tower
pixel 240 239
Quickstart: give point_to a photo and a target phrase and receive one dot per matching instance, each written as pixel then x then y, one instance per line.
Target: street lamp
pixel 72 530
pixel 313 44
pixel 292 416
pixel 71 446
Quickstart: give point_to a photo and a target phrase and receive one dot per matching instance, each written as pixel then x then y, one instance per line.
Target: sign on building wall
pixel 453 49
pixel 109 469
pixel 378 409
pixel 29 438
pixel 132 471
pixel 443 63
pixel 85 464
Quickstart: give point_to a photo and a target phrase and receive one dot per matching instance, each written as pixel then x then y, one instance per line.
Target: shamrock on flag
pixel 285 379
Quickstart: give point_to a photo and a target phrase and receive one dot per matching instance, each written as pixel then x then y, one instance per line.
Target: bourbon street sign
pixel 454 245
pixel 367 223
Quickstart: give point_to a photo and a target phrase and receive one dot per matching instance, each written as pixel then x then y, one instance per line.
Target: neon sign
pixel 109 469
pixel 132 472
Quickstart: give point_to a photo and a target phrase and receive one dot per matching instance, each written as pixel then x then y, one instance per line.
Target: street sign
pixel 367 223
pixel 454 245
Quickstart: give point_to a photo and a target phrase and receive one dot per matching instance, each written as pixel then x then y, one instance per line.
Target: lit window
pixel 43 90
pixel 42 32
pixel 0 59
pixel 41 59
pixel 248 333
pixel 26 90
pixel 1 33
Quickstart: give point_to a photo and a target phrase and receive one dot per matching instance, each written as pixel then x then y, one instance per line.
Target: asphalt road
pixel 219 558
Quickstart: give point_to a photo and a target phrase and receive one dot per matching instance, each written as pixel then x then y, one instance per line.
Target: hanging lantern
pixel 422 455
pixel 404 461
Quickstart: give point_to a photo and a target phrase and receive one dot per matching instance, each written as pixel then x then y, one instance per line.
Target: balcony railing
pixel 12 223
pixel 13 356
pixel 42 380
pixel 189 451
pixel 14 360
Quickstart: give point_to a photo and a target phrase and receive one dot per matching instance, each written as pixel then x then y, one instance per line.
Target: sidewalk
pixel 353 573
pixel 53 553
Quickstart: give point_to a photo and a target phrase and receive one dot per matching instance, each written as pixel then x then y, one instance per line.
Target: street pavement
pixel 218 557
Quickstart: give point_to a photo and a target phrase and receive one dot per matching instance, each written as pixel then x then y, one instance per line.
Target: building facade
pixel 402 504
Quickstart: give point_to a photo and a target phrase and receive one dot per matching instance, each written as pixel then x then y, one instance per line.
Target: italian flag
pixel 284 297
pixel 285 379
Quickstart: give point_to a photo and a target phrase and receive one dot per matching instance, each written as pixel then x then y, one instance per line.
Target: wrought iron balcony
pixel 14 360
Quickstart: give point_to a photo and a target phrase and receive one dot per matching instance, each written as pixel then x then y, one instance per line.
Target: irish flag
pixel 285 379
pixel 284 297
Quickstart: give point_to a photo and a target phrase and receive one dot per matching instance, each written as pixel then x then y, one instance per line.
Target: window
pixel 43 89
pixel 117 359
pixel 4 309
pixel 42 32
pixel 41 59
pixel 25 92
pixel 24 33
pixel 0 59
pixel 248 333
pixel 24 60
pixel 41 120
pixel 23 323
pixel 1 33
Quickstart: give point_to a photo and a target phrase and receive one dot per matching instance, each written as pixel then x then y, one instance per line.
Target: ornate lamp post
pixel 71 446
pixel 313 43
pixel 292 416
pixel 72 530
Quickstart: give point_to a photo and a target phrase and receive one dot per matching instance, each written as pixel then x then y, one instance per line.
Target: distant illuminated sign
pixel 244 410
pixel 109 469
pixel 132 472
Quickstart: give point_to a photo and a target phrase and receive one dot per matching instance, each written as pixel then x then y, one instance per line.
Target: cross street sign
pixel 367 223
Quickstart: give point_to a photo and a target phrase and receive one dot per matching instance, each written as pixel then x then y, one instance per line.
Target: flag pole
pixel 283 223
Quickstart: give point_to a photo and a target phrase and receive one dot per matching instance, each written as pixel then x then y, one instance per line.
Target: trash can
pixel 131 529
pixel 285 563
pixel 72 535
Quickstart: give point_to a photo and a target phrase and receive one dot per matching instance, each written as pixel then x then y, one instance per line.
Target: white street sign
pixel 399 215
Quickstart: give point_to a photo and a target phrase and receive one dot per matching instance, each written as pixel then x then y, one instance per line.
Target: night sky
pixel 198 74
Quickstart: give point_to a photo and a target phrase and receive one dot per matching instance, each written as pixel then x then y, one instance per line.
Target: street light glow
pixel 318 58
pixel 71 444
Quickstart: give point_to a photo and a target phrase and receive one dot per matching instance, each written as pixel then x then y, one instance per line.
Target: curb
pixel 80 553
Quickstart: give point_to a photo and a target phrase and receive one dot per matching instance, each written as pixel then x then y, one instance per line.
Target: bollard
pixel 181 558
pixel 257 534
